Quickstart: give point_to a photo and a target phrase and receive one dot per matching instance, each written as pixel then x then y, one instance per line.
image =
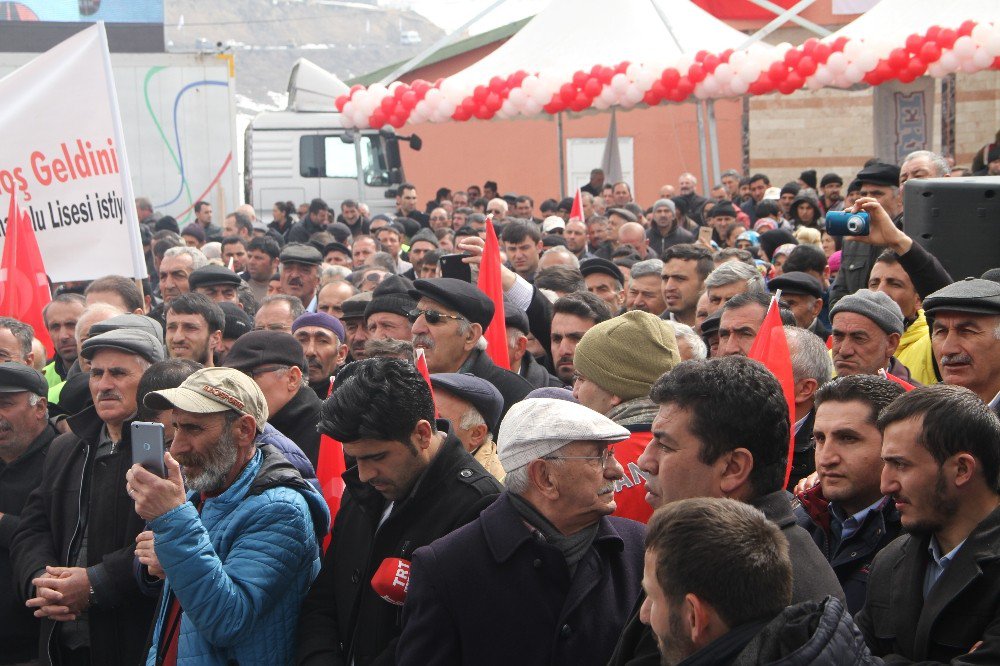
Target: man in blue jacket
pixel 237 532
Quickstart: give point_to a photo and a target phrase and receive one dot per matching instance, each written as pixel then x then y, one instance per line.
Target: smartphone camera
pixel 844 223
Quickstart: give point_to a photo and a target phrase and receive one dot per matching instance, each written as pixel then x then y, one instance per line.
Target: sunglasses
pixel 433 317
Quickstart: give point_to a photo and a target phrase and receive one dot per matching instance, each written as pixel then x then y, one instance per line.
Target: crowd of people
pixel 619 495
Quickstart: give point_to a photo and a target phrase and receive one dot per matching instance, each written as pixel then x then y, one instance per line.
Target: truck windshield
pixel 329 157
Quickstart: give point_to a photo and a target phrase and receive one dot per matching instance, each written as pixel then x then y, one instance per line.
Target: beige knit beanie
pixel 627 354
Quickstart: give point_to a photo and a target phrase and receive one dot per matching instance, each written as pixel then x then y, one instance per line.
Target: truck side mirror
pixel 416 143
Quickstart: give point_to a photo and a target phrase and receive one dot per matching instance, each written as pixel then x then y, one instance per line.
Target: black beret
pixel 392 295
pixel 514 317
pixel 130 340
pixel 238 322
pixel 973 295
pixel 207 276
pixel 880 174
pixel 17 377
pixel 337 247
pixel 797 282
pixel 598 265
pixel 722 209
pixel 830 178
pixel 478 392
pixel 300 253
pixel 459 295
pixel 258 348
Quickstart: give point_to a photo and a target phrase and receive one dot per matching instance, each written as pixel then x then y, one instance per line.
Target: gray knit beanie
pixel 875 305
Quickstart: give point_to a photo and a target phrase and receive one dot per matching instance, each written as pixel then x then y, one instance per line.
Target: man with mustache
pixel 551 537
pixel 932 593
pixel 236 529
pixel 73 550
pixel 299 269
pixel 194 328
pixel 386 316
pixel 414 482
pixel 355 331
pixel 322 339
pixel 25 436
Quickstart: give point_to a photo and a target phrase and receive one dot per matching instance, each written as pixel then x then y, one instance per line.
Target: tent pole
pixel 702 150
pixel 783 16
pixel 562 156
pixel 713 140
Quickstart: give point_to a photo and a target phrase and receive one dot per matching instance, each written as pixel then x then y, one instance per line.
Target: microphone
pixel 392 579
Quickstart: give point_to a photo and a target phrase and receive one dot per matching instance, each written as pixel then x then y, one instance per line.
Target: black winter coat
pixel 18 628
pixel 343 619
pixel 475 590
pixel 297 421
pixel 512 386
pixel 48 535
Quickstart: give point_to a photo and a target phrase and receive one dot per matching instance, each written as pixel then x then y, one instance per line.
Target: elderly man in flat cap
pixel 555 575
pixel 448 324
pixel 25 435
pixel 965 319
pixel 867 326
pixel 73 551
pixel 472 406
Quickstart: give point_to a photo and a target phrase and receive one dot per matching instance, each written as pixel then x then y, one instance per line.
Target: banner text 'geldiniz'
pixel 70 161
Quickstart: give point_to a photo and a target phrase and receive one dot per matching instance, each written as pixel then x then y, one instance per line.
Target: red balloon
pixel 567 92
pixel 795 80
pixel 930 52
pixel 914 43
pixel 806 66
pixel 933 32
pixel 580 79
pixel 493 103
pixel 696 73
pixel 606 74
pixel 898 59
pixel 420 87
pixel 757 88
pixel 470 105
pixel 670 77
pixel 552 109
pixel 658 89
pixel 916 67
pixel 809 46
pixel 725 55
pixel 483 112
pixel 872 78
pixel 966 28
pixel 996 63
pixel 595 70
pixel 684 87
pixel 792 57
pixel 592 87
pixel 777 71
pixel 884 70
pixel 340 102
pixel 397 120
pixel 479 94
pixel 387 104
pixel 622 66
pixel 519 77
pixel 497 85
pixel 906 76
pixel 377 119
pixel 822 52
pixel 356 87
pixel 946 38
pixel 651 98
pixel 580 103
pixel 710 63
pixel 700 56
pixel 409 100
pixel 786 88
pixel 461 114
pixel 839 43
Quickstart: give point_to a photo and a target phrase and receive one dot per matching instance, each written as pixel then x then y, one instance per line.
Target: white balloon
pixel 853 74
pixel 949 61
pixel 601 105
pixel 530 84
pixel 378 90
pixel 737 59
pixel 632 71
pixel 854 49
pixel 982 59
pixel 868 61
pixel 724 73
pixel 646 78
pixel 348 109
pixel 837 62
pixel 969 66
pixel 992 44
pixel 699 91
pixel 823 76
pixel 517 96
pixel 964 47
pixel 981 34
pixel 813 83
pixel 711 86
pixel 634 94
pixel 738 86
pixel 619 83
pixel 507 108
pixel 532 108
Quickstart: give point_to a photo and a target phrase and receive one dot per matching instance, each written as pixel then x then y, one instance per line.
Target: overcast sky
pixel 451 14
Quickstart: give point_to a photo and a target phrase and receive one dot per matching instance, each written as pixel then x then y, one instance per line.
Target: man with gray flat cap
pixel 448 324
pixel 965 319
pixel 549 564
pixel 73 551
pixel 473 407
pixel 25 435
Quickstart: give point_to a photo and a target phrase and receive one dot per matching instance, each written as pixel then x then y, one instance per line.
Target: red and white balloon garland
pixel 758 70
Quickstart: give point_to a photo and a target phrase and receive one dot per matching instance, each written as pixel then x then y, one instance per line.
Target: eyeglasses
pixel 495 212
pixel 606 455
pixel 432 316
pixel 264 369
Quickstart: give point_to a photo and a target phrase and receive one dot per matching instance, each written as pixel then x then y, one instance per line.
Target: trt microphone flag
pixel 24 284
pixel 576 212
pixel 490 284
pixel 330 467
pixel 771 348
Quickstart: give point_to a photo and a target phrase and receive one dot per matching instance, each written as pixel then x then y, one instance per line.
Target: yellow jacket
pixel 487 456
pixel 915 353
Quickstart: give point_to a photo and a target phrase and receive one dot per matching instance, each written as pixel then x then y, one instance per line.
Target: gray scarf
pixel 573 547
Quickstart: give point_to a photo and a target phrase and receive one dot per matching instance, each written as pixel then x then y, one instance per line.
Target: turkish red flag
pixel 771 348
pixel 24 285
pixel 490 284
pixel 576 212
pixel 421 363
pixel 330 468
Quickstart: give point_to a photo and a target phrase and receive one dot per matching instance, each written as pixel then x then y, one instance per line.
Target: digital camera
pixel 844 223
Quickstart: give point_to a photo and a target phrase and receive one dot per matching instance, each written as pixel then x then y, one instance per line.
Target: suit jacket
pixel 492 593
pixel 961 609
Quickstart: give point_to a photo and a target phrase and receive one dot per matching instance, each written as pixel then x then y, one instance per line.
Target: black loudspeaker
pixel 957 220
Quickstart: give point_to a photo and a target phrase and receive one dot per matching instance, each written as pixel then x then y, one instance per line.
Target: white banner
pixel 62 156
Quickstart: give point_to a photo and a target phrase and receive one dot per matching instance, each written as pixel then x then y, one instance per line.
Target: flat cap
pixel 797 282
pixel 138 322
pixel 392 295
pixel 539 427
pixel 322 320
pixel 354 307
pixel 459 295
pixel 207 276
pixel 711 324
pixel 337 247
pixel 238 322
pixel 17 377
pixel 880 174
pixel 211 391
pixel 340 231
pixel 722 209
pixel 258 348
pixel 626 215
pixel 515 317
pixel 476 391
pixel 552 392
pixel 875 305
pixel 603 266
pixel 300 253
pixel 130 340
pixel 973 295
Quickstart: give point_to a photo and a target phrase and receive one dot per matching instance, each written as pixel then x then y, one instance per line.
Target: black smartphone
pixel 452 266
pixel 147 447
